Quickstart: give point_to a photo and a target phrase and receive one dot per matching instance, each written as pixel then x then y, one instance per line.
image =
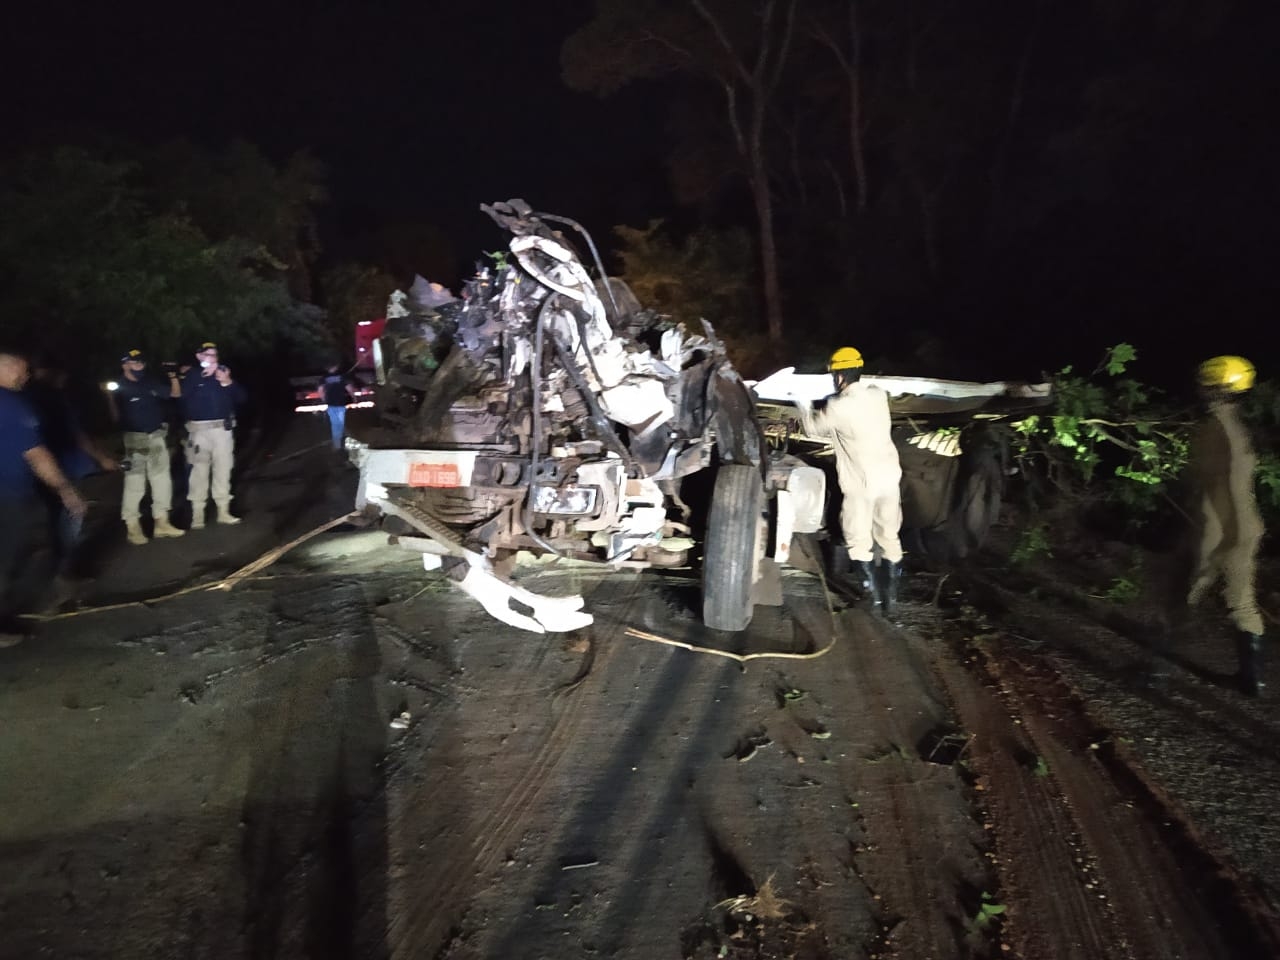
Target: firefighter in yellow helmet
pixel 1222 465
pixel 856 418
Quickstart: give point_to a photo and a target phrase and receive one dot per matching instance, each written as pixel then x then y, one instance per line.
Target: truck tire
pixel 979 502
pixel 732 547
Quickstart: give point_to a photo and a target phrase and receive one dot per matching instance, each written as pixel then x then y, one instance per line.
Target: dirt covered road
pixel 340 759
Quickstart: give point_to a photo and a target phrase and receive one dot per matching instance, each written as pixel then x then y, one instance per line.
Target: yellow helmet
pixel 1233 374
pixel 846 358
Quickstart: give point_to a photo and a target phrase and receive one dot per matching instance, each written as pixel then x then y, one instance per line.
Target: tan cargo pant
pixel 1234 563
pixel 871 515
pixel 148 454
pixel 210 449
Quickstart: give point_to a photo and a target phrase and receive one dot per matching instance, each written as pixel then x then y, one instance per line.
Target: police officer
pixel 209 401
pixel 141 406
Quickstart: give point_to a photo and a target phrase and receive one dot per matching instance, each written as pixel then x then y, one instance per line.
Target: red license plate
pixel 434 475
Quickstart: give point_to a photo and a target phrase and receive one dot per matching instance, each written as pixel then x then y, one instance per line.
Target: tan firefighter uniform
pixel 1223 464
pixel 857 421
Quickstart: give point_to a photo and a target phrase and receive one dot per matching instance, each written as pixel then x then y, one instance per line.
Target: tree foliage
pixel 95 260
pixel 740 47
pixel 238 193
pixel 1114 441
pixel 354 292
pixel 704 275
pixel 985 169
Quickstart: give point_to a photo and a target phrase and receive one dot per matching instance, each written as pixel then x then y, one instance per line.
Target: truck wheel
pixel 980 506
pixel 732 547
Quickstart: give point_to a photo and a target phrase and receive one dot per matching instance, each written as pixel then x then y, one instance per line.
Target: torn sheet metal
pixel 787 385
pixel 545 410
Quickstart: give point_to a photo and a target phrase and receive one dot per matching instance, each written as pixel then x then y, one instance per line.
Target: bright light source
pixel 364 323
pixel 321 407
pixel 112 385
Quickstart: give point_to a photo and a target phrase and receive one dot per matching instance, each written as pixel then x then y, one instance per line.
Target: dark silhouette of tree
pixel 741 47
pixel 94 263
pixel 354 292
pixel 239 192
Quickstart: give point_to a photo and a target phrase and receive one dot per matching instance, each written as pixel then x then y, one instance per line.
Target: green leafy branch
pixel 1113 419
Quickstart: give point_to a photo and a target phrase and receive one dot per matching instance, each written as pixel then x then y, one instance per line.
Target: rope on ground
pixel 745 658
pixel 226 583
pixel 739 657
pixel 271 556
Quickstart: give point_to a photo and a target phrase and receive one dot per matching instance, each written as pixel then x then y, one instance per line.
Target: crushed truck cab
pixel 548 412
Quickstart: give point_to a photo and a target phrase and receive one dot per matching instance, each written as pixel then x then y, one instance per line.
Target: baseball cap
pixel 207 345
pixel 136 356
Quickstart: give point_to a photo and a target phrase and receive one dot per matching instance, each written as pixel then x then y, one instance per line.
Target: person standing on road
pixel 140 404
pixel 209 401
pixel 1222 465
pixel 24 459
pixel 336 391
pixel 78 457
pixel 856 418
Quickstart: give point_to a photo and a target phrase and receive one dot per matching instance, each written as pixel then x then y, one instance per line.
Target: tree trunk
pixel 928 226
pixel 768 249
pixel 1000 162
pixel 855 107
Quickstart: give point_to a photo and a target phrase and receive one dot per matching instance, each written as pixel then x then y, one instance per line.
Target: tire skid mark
pixel 1140 877
pixel 423 926
pixel 1240 915
pixel 1050 915
pixel 904 876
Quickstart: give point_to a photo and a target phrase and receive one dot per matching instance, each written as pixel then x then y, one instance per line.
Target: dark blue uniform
pixel 143 405
pixel 204 398
pixel 334 389
pixel 19 432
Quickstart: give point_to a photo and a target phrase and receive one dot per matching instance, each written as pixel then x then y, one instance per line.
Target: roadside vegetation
pixel 1109 461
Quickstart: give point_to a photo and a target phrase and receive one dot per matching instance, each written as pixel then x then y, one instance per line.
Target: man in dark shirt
pixel 141 405
pixel 23 459
pixel 209 401
pixel 77 455
pixel 335 388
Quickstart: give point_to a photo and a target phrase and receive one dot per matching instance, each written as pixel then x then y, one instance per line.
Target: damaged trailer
pixel 548 412
pixel 952 439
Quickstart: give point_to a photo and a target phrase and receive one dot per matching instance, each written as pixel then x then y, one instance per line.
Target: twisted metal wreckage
pixel 547 411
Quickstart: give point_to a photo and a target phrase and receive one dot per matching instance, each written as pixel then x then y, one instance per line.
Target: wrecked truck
pixel 547 411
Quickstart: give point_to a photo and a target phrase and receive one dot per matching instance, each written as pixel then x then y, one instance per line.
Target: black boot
pixel 890 574
pixel 1249 655
pixel 1155 669
pixel 865 571
pixel 841 565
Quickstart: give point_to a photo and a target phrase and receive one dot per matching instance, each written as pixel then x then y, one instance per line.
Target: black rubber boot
pixel 841 565
pixel 1249 655
pixel 1155 669
pixel 890 574
pixel 865 571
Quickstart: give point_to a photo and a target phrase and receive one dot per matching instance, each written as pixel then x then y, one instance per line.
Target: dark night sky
pixel 424 110
pixel 421 110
